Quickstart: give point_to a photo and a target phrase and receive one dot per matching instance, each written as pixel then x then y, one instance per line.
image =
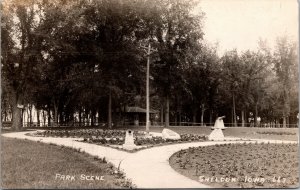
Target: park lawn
pixel 32 165
pixel 242 165
pixel 291 134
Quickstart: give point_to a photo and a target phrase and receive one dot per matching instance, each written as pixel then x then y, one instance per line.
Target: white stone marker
pixel 169 134
pixel 129 142
pixel 217 134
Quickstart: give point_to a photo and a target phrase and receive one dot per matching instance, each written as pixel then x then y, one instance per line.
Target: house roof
pixel 136 109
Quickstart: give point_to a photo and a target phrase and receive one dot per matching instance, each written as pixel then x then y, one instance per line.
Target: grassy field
pixel 242 132
pixel 31 165
pixel 242 165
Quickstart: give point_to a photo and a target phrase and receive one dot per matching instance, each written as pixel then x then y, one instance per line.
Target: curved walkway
pixel 148 168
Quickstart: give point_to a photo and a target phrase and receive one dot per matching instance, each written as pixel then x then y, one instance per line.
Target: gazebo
pixel 137 115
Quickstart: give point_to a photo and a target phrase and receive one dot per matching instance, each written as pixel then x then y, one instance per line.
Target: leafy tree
pixel 113 26
pixel 174 31
pixel 285 65
pixel 232 79
pixel 58 33
pixel 202 81
pixel 18 55
pixel 253 85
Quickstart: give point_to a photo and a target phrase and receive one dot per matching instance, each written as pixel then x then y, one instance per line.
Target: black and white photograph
pixel 149 94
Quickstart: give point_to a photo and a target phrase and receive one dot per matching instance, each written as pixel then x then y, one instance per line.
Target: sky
pixel 241 23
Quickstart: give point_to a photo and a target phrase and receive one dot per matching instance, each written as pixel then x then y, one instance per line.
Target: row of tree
pixel 87 58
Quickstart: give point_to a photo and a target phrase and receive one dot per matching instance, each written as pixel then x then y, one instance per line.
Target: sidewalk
pixel 148 168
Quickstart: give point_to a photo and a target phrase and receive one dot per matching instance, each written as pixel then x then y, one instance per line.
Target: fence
pixel 142 124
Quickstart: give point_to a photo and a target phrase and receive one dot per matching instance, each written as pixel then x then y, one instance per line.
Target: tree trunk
pixel 286 104
pixel 93 116
pixel 255 114
pixel 162 115
pixel 38 117
pixel 49 117
pixel 4 114
pixel 109 119
pixel 84 118
pixel 60 117
pixel 26 120
pixel 30 114
pixel 194 116
pixel 210 117
pixel 99 116
pixel 44 118
pixel 55 116
pixel 176 119
pixel 16 119
pixel 243 118
pixel 88 118
pixel 180 118
pixel 202 114
pixel 232 116
pixel 167 112
pixel 234 112
pixel 284 122
pixel 79 117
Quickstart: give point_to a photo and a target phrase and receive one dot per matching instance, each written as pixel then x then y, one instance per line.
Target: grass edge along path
pixel 28 164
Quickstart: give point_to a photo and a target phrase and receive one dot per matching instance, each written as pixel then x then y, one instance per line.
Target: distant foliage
pixel 85 61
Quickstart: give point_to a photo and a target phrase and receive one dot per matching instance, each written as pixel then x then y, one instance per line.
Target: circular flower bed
pixel 116 137
pixel 240 165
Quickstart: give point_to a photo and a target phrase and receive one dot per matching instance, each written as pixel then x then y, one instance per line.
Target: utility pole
pixel 147 91
pixel 149 52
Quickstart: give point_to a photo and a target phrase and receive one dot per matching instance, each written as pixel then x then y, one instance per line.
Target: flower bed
pixel 83 133
pixel 117 137
pixel 240 165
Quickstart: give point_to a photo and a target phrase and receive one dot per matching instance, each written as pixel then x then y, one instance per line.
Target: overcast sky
pixel 240 23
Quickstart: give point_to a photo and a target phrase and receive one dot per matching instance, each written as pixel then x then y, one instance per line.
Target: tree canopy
pixel 84 62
